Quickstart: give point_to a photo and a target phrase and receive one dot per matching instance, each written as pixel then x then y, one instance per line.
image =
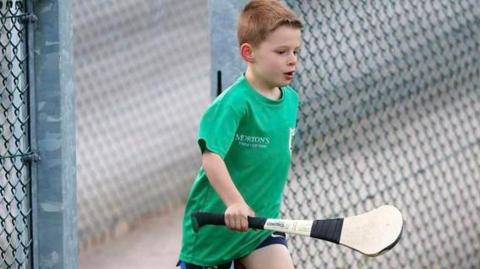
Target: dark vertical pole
pixel 219 82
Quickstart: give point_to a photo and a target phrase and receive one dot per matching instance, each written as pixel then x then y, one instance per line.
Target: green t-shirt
pixel 253 134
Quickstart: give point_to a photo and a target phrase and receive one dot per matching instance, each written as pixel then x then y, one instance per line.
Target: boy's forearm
pixel 220 179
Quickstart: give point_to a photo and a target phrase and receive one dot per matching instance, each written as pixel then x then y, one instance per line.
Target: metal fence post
pixel 226 62
pixel 54 187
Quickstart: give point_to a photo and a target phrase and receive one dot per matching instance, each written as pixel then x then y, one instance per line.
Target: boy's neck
pixel 264 89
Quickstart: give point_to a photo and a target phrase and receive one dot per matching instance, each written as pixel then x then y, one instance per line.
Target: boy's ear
pixel 246 51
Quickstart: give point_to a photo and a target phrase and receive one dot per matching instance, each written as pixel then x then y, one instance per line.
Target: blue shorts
pixel 275 238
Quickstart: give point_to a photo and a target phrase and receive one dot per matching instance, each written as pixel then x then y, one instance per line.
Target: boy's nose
pixel 292 60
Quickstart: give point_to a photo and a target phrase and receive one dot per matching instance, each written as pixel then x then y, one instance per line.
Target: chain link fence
pixel 142 82
pixel 15 210
pixel 389 114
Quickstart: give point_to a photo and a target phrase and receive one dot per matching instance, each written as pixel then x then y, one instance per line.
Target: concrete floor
pixel 154 243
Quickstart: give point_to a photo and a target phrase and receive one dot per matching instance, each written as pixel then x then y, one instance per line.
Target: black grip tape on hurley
pixel 329 229
pixel 200 219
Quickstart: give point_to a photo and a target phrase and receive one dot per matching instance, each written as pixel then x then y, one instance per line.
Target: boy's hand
pixel 236 216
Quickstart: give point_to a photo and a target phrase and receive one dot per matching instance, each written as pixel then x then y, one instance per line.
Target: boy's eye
pixel 281 52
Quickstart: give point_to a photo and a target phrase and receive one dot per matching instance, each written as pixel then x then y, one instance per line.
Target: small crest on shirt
pixel 290 139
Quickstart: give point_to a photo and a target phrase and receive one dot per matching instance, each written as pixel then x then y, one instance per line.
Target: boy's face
pixel 274 59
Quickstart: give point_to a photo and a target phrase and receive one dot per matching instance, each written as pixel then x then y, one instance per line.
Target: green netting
pixel 390 114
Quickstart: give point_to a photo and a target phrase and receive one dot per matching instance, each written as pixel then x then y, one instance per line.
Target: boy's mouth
pixel 289 75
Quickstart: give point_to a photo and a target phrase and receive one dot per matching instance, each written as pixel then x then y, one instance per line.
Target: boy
pixel 245 137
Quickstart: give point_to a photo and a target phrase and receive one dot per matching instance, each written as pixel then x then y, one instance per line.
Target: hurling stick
pixel 370 233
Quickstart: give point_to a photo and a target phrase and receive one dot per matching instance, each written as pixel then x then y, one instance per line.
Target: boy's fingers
pixel 242 224
pixel 239 222
pixel 229 221
pixel 233 222
pixel 245 224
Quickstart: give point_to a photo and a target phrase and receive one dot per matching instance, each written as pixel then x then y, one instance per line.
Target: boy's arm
pixel 237 209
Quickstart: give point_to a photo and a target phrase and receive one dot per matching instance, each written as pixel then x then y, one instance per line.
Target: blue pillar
pixel 224 49
pixel 54 206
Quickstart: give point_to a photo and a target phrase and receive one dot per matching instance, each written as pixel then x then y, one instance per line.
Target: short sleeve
pixel 218 126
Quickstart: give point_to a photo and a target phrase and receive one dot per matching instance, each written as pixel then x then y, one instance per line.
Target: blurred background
pixel 142 81
pixel 142 72
pixel 390 114
pixel 390 109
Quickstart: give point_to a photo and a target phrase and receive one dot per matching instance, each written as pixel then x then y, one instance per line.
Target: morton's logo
pixel 252 141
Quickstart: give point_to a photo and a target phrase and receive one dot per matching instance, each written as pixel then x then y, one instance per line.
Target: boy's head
pixel 269 38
